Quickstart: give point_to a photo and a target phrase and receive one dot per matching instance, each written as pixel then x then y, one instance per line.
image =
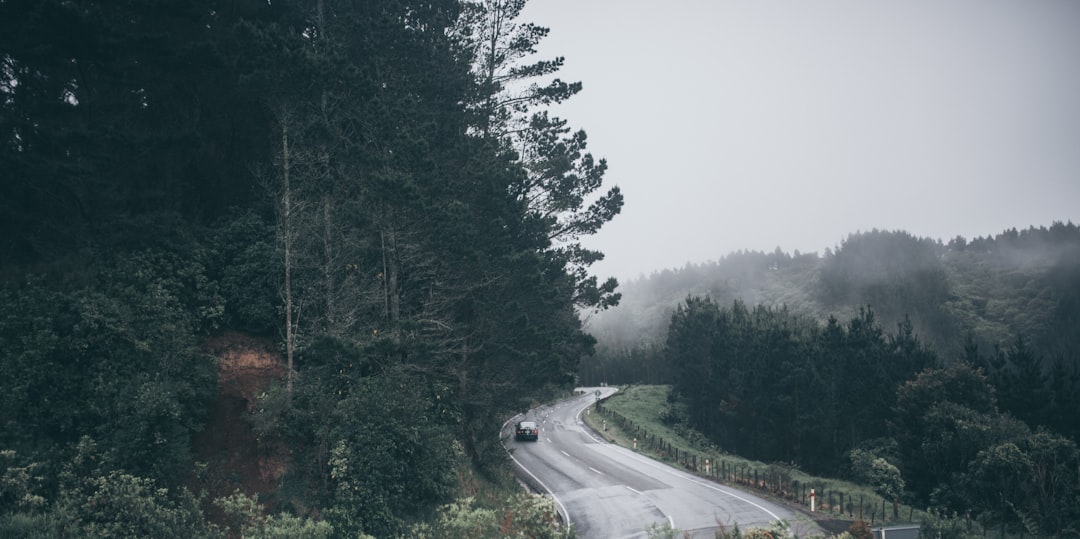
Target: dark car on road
pixel 526 430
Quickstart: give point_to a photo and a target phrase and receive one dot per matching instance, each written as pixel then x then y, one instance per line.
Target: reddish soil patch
pixel 235 457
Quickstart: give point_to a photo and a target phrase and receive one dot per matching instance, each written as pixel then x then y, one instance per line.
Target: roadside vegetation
pixel 640 413
pixel 493 506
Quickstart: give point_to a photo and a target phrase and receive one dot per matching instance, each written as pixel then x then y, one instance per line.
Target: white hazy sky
pixel 759 124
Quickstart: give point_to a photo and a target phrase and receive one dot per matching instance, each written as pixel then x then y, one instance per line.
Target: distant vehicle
pixel 526 430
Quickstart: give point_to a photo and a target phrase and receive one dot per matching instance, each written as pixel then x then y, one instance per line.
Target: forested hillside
pixel 378 187
pixel 943 375
pixel 992 289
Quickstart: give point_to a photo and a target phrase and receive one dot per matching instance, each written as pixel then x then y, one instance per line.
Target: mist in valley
pixel 993 288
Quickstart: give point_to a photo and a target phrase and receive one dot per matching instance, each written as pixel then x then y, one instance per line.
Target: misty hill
pixel 995 288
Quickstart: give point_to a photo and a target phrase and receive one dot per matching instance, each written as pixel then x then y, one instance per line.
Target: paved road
pixel 607 491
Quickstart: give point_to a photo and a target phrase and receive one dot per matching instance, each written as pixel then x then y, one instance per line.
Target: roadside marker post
pixel 812 500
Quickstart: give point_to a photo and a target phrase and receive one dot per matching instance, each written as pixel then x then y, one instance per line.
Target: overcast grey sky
pixel 763 124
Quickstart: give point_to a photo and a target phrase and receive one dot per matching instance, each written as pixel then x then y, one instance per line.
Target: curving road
pixel 608 491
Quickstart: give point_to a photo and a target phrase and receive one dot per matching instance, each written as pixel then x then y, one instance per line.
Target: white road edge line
pixel 586 429
pixel 693 479
pixel 676 473
pixel 558 502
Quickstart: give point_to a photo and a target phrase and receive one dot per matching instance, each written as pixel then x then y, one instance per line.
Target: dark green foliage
pixel 392 453
pixel 776 386
pixel 96 500
pixel 942 418
pixel 244 248
pixel 1029 482
pixel 248 519
pixel 854 381
pixel 642 364
pixel 113 124
pixel 99 504
pixel 1020 379
pixel 169 166
pixel 115 359
pixel 870 469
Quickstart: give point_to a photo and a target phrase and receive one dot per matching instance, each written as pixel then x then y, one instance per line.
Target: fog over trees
pixel 992 288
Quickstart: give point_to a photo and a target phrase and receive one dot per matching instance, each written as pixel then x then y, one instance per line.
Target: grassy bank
pixel 634 418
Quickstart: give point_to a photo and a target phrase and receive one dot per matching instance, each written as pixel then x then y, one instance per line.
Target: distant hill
pixel 994 288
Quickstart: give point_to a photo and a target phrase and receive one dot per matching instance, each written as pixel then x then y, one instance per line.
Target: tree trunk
pixel 391 300
pixel 328 266
pixel 287 240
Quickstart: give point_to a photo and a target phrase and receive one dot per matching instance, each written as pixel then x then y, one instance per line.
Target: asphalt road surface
pixel 610 492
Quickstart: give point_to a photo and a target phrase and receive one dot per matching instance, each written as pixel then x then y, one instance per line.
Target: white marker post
pixel 812 496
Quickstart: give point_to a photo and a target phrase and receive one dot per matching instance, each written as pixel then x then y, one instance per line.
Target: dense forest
pixel 977 418
pixel 379 187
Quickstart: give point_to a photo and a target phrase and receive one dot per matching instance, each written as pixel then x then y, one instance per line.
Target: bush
pixel 878 473
pixel 122 505
pixel 946 526
pixel 522 516
pixel 860 530
pixel 248 519
pixel 390 458
pixel 30 526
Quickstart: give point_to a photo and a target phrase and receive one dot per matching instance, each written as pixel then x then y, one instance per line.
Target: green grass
pixel 636 411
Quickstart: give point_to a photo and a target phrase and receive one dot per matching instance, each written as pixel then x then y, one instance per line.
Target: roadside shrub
pixel 249 520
